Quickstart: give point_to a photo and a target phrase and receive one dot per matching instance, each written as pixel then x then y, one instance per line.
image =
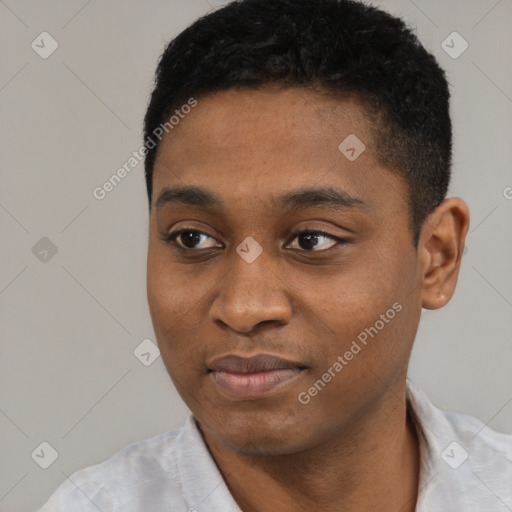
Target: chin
pixel 259 436
pixel 260 446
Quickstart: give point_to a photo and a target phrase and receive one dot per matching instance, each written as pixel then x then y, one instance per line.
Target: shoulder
pixel 483 441
pixel 139 472
pixel 465 463
pixel 472 433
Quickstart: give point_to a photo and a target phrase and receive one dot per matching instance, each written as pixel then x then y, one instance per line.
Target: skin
pixel 352 446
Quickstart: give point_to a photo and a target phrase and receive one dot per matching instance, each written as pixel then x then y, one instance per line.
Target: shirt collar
pixel 204 487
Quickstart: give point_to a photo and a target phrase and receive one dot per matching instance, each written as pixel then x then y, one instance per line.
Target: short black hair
pixel 342 48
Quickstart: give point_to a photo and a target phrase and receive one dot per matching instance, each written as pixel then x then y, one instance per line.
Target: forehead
pixel 248 144
pixel 269 118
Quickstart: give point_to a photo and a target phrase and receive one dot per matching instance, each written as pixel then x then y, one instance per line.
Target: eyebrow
pixel 296 199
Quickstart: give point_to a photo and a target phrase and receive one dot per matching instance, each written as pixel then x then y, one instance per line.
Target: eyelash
pixel 170 239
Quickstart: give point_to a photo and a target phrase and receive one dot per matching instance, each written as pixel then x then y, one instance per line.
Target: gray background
pixel 69 326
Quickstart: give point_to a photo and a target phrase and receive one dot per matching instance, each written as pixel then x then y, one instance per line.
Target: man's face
pixel 305 298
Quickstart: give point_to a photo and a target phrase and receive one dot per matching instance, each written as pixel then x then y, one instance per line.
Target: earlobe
pixel 441 246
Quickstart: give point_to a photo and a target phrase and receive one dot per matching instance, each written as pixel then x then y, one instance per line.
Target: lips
pixel 253 364
pixel 253 377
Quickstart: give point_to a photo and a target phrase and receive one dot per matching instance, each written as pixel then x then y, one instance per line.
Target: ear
pixel 440 246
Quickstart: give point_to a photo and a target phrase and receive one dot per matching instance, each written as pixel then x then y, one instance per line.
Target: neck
pixel 371 465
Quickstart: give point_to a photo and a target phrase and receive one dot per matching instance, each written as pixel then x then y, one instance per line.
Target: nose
pixel 251 294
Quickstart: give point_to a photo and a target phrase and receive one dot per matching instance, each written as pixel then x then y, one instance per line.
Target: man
pixel 298 160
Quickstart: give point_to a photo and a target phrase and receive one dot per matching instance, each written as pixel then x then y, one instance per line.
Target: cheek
pixel 354 297
pixel 370 312
pixel 172 312
pixel 172 289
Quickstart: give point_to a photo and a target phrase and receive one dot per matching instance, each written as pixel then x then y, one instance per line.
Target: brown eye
pixel 187 238
pixel 315 241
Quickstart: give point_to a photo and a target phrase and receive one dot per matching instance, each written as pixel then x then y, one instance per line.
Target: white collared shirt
pixel 464 467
